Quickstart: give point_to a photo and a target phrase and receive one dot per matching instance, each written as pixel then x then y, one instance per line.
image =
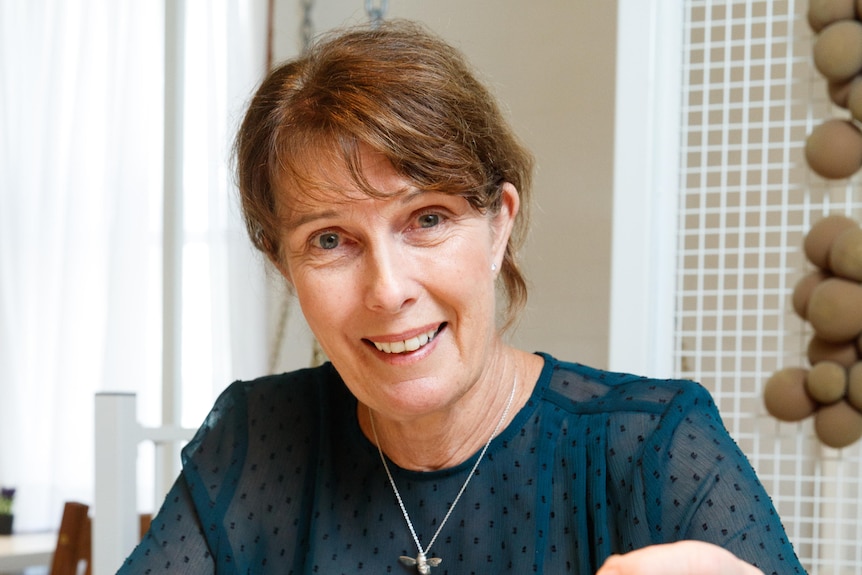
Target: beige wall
pixel 551 63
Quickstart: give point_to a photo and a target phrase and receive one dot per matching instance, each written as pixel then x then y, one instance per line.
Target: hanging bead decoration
pixel 376 12
pixel 830 299
pixel 833 149
pixel 306 27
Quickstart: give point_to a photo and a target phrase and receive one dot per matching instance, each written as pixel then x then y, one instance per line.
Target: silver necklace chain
pixel 421 561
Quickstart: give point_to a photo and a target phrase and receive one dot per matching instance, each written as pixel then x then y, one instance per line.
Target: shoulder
pixel 582 389
pixel 295 390
pixel 261 405
pixel 252 424
pixel 251 421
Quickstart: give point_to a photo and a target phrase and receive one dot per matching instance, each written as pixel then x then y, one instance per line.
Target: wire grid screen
pixel 750 97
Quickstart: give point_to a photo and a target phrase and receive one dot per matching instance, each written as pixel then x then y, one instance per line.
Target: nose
pixel 389 283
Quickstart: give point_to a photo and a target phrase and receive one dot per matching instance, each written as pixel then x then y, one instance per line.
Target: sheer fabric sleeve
pixel 699 485
pixel 175 542
pixel 187 532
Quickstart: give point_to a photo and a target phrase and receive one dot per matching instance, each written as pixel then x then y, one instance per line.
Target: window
pixel 81 179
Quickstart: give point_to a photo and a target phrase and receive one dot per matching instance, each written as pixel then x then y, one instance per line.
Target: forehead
pixel 321 181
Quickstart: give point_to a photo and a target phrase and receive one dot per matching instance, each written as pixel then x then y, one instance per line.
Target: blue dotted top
pixel 280 479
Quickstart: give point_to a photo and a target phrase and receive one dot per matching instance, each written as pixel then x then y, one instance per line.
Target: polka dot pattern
pixel 279 479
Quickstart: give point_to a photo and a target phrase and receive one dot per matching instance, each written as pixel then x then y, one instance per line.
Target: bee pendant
pixel 422 563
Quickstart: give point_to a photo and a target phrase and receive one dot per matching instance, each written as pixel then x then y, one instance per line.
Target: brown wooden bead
pixel 819 239
pixel 826 382
pixel 838 50
pixel 802 291
pixel 784 395
pixel 821 13
pixel 838 425
pixel 843 353
pixel 835 310
pixel 854 386
pixel 845 255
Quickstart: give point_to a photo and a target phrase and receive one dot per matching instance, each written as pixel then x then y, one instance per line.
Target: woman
pixel 381 180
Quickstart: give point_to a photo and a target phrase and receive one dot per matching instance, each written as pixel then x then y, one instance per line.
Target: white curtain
pixel 81 154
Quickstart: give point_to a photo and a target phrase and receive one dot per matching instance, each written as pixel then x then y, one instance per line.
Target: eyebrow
pixel 307 217
pixel 405 196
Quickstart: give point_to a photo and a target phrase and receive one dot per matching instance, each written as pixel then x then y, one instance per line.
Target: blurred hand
pixel 680 558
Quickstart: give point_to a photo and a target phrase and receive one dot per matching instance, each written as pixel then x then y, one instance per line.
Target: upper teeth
pixel 411 344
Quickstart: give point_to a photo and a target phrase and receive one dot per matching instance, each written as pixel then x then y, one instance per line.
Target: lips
pixel 407 345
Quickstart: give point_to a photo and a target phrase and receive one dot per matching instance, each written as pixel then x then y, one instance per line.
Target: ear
pixel 504 221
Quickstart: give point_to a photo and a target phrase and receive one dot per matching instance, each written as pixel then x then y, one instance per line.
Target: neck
pixel 450 437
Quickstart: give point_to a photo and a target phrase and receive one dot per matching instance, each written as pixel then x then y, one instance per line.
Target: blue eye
pixel 429 220
pixel 328 241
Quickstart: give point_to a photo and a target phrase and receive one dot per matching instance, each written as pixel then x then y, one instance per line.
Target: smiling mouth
pixel 408 345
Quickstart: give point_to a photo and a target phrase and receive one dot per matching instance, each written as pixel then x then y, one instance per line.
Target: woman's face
pixel 399 291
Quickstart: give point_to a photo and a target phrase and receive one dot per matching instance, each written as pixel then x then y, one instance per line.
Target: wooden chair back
pixel 74 548
pixel 73 540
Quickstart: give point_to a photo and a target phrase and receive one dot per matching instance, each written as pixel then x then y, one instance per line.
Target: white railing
pixel 115 517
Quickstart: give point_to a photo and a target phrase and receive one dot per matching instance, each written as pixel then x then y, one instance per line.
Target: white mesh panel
pixel 750 97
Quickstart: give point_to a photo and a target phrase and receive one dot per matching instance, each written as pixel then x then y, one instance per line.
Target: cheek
pixel 466 279
pixel 323 301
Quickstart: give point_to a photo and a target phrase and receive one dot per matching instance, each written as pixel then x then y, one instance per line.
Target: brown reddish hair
pixel 401 91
